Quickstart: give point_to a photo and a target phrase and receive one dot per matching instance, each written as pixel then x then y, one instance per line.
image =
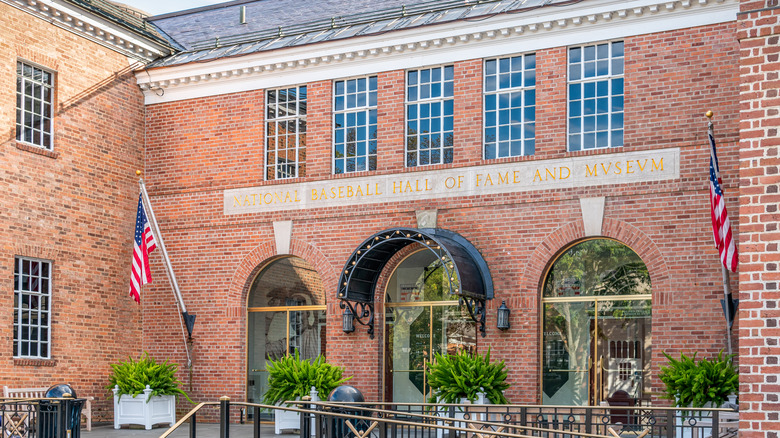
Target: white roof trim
pixel 504 34
pixel 91 27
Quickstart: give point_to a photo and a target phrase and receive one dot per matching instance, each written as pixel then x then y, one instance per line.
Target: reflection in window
pixel 510 106
pixel 596 96
pixel 285 133
pixel 34 97
pixel 597 267
pixel 32 294
pixel 354 125
pixel 430 116
pixel 276 325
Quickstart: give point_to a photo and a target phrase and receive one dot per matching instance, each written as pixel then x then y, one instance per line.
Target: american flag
pixel 721 227
pixel 144 244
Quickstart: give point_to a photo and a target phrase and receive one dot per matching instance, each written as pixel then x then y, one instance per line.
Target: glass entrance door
pixel 420 321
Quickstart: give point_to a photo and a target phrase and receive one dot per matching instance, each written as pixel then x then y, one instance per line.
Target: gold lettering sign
pixel 521 176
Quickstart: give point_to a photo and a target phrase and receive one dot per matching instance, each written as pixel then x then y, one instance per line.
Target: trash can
pixel 57 417
pixel 347 393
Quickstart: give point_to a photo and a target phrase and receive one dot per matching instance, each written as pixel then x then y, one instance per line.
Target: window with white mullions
pixel 32 308
pixel 354 125
pixel 596 96
pixel 285 133
pixel 510 106
pixel 429 116
pixel 34 95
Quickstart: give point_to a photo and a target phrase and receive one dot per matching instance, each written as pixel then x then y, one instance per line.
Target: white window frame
pixel 442 100
pixel 610 78
pixel 33 126
pixel 283 167
pixel 522 89
pixel 19 310
pixel 367 108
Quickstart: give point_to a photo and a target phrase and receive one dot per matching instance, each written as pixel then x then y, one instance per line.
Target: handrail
pixel 187 416
pixel 649 408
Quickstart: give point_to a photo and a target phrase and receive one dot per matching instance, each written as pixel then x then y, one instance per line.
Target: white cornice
pixel 92 27
pixel 504 34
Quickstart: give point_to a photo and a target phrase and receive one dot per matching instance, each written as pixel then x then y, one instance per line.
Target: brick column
pixel 758 34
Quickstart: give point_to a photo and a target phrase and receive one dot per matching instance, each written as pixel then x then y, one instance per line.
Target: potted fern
pixel 697 384
pixel 466 378
pixel 144 392
pixel 291 378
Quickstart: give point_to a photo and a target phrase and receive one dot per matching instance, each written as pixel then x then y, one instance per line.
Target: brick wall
pixel 672 79
pixel 759 34
pixel 74 206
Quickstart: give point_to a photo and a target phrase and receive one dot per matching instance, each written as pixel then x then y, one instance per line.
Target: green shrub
pixel 132 377
pixel 691 383
pixel 463 375
pixel 290 377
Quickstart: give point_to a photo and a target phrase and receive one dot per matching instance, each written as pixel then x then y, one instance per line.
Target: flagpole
pixel 726 283
pixel 188 319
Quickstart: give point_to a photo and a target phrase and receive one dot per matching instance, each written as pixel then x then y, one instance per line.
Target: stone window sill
pixel 36 150
pixel 34 362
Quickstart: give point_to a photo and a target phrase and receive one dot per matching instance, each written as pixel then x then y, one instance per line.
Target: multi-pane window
pixel 354 126
pixel 285 133
pixel 596 96
pixel 429 116
pixel 34 94
pixel 510 106
pixel 32 308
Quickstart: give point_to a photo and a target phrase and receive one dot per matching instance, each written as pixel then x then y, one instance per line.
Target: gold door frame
pixel 595 299
pixel 387 305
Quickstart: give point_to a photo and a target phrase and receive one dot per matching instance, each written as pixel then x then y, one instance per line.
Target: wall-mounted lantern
pixel 348 321
pixel 502 317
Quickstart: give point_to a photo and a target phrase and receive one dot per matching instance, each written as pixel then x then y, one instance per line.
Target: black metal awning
pixel 471 282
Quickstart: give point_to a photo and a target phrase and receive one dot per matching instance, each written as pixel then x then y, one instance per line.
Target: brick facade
pixel 71 205
pixel 759 33
pixel 672 79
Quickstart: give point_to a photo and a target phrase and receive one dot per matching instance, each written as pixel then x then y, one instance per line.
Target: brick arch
pixel 261 255
pixel 631 236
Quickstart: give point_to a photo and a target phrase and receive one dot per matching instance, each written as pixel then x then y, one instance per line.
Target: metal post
pixel 671 423
pixel 224 417
pixel 318 423
pixel 256 418
pixel 715 423
pixel 62 419
pixel 193 427
pixel 588 420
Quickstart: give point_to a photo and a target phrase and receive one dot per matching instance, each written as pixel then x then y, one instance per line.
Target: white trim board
pixel 506 34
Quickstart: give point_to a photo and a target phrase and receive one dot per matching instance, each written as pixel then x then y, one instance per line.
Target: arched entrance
pixel 596 329
pixel 421 319
pixel 285 313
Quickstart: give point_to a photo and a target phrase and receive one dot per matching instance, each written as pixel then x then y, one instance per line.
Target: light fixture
pixel 502 318
pixel 348 321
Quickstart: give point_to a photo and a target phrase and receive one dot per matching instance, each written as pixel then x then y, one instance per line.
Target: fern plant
pixel 692 383
pixel 290 377
pixel 132 376
pixel 463 375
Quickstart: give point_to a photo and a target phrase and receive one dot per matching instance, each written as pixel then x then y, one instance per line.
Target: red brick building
pixel 73 126
pixel 533 135
pixel 416 166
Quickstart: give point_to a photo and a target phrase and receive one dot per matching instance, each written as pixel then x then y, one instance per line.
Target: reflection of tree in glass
pixel 598 267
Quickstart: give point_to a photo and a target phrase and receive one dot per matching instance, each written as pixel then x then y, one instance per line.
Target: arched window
pixel 285 313
pixel 596 337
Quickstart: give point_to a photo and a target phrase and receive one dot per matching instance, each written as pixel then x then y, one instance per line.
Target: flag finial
pixel 138 172
pixel 709 114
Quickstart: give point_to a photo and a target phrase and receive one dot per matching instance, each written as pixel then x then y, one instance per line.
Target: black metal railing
pixel 384 420
pixel 40 418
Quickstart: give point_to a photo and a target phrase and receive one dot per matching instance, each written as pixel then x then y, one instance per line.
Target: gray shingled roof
pixel 215 32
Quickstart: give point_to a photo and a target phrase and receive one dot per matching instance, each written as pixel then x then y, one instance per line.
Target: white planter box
pixel 285 420
pixel 459 413
pixel 135 410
